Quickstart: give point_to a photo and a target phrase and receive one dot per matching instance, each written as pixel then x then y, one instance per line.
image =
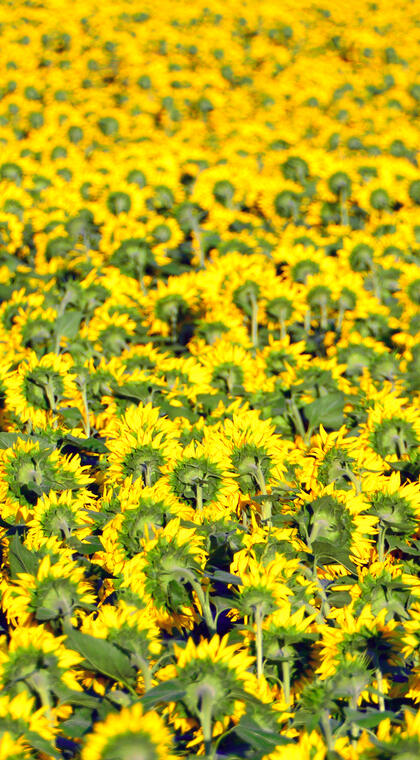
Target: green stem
pixel 344 216
pixel 340 318
pixel 49 392
pixel 145 671
pixel 285 667
pixel 379 680
pixel 297 419
pixel 199 497
pixel 197 232
pixel 141 283
pixel 173 327
pixel 283 332
pixel 254 321
pixel 380 544
pixel 354 729
pixel 324 316
pixel 258 617
pixel 205 713
pixel 86 422
pixel 356 481
pixel 326 728
pixel 148 476
pixel 308 321
pixel 205 605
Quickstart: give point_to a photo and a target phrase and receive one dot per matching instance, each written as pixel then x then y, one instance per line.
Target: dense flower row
pixel 209 380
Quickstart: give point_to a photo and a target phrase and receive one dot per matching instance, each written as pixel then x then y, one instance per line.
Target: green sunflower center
pixel 144 462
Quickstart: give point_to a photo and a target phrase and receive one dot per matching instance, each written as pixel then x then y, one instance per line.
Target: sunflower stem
pixel 145 671
pixel 326 728
pixel 205 713
pixel 258 617
pixel 297 419
pixel 86 421
pixel 283 332
pixel 379 680
pixel 380 545
pixel 254 321
pixel 285 668
pixel 205 606
pixel 199 497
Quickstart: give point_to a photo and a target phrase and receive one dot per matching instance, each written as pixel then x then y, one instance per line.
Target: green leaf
pixel 71 415
pixel 368 719
pixel 326 411
pixel 7 440
pixel 78 724
pixel 21 559
pixel 91 445
pixel 101 656
pixel 169 691
pixel 326 552
pixel 260 739
pixel 41 745
pixel 68 324
pixel 223 577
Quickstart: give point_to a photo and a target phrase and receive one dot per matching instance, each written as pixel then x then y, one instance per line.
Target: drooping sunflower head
pixel 132 734
pixel 164 571
pixel 201 477
pixel 58 591
pixel 41 386
pixel 29 470
pixel 211 670
pixel 124 535
pixel 141 444
pixel 63 515
pixel 35 660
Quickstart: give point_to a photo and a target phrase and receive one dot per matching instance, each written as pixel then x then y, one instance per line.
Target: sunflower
pixel 256 452
pixel 336 458
pixel 29 470
pixel 63 515
pixel 392 429
pixel 144 510
pixel 211 673
pixel 19 717
pixel 40 387
pixel 338 517
pixel 171 562
pixel 33 329
pixel 200 477
pixel 131 733
pixel 37 661
pixel 279 354
pixel 366 635
pixel 140 444
pixel 135 631
pixel 169 304
pixel 57 591
pixel 184 377
pixel 233 369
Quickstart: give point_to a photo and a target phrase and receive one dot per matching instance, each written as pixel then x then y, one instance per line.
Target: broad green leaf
pixel 326 411
pixel 78 724
pixel 93 445
pixel 260 739
pixel 41 745
pixel 368 719
pixel 101 656
pixel 169 691
pixel 68 324
pixel 21 559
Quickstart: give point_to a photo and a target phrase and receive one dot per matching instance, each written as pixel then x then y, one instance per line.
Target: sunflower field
pixel 209 380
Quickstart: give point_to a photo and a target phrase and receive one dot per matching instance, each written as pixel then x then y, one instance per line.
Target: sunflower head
pixel 131 734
